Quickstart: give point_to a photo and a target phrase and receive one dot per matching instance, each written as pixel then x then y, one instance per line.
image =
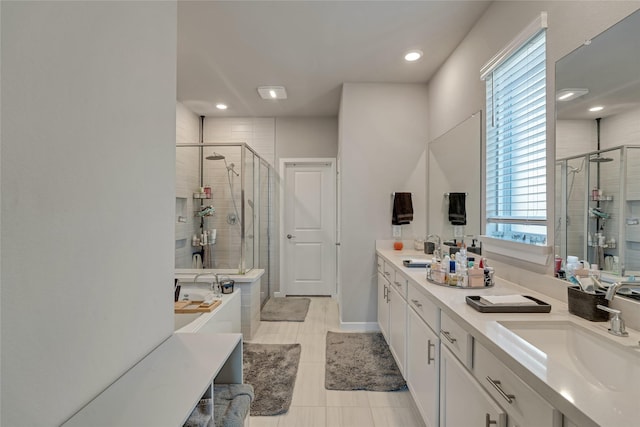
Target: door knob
pixel 289 236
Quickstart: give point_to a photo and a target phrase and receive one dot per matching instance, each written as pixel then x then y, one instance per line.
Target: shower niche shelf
pixel 201 196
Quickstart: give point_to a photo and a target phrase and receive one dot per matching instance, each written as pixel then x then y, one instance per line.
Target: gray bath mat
pixel 285 310
pixel 361 361
pixel 271 369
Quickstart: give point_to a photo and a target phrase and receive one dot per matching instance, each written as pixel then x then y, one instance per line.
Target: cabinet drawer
pixel 380 262
pixel 456 339
pixel 400 283
pixel 423 306
pixel 523 405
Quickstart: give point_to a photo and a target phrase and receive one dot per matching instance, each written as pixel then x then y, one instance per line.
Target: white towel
pixel 507 300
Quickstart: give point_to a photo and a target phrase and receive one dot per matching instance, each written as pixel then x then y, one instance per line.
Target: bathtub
pixel 248 284
pixel 225 318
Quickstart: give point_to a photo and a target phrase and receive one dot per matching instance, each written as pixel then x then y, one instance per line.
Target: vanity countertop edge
pixel 582 406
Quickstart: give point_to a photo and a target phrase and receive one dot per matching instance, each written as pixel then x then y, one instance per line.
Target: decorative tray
pixel 541 307
pixel 194 306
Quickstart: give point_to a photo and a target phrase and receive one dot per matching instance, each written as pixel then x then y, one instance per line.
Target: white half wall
pixel 382 145
pixel 88 154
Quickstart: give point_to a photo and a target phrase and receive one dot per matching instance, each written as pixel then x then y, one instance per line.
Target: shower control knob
pixel 289 236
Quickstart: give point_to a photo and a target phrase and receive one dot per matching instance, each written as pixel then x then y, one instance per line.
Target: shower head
pixel 599 159
pixel 216 156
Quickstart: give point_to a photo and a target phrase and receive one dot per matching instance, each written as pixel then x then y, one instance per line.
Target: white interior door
pixel 309 227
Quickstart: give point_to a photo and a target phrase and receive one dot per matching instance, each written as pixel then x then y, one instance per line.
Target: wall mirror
pixel 597 197
pixel 454 166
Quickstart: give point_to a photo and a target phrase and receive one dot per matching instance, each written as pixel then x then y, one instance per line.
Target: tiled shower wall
pixel 259 134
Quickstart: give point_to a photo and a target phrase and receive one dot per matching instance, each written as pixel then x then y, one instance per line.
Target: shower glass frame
pixel 621 204
pixel 250 173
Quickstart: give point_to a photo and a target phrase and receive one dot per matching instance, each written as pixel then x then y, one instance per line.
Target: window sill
pixel 522 251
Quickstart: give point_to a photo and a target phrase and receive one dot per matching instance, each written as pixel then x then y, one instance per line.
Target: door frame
pixel 284 162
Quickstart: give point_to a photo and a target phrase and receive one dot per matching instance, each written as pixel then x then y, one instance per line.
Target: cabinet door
pixel 383 306
pixel 423 369
pixel 463 402
pixel 397 327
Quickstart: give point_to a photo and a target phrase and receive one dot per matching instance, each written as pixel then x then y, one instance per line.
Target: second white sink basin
pixel 604 362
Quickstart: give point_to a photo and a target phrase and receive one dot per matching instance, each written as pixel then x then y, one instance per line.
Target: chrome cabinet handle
pixel 429 358
pixel 489 421
pixel 386 273
pixel 384 294
pixel 398 284
pixel 496 384
pixel 448 336
pixel 416 303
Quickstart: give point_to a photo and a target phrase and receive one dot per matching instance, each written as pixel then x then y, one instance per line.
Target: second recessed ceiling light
pixel 413 55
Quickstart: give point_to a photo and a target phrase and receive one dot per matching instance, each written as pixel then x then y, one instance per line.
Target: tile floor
pixel 312 405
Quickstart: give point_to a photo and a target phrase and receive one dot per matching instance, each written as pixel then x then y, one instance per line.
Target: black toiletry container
pixel 584 304
pixel 429 247
pixel 226 286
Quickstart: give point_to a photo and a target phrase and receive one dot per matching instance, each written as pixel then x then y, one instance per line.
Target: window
pixel 516 185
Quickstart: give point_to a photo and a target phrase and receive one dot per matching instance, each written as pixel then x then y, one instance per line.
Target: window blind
pixel 516 200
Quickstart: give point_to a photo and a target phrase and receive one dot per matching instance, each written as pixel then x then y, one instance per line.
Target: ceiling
pixel 226 49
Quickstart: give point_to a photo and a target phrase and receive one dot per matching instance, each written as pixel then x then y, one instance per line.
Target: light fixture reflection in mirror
pixel 598 166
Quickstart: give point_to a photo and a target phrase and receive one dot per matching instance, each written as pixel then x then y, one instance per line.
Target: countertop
pixel 572 394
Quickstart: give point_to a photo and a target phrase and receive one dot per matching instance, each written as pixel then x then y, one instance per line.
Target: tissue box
pixel 584 305
pixel 476 278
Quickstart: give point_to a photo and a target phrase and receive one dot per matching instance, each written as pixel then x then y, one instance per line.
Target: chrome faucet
pixel 617 323
pixel 436 250
pixel 215 282
pixel 611 292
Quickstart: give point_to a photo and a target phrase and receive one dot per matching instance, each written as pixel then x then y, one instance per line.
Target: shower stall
pixel 598 208
pixel 223 210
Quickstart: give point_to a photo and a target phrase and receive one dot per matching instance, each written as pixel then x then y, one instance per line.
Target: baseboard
pixel 360 326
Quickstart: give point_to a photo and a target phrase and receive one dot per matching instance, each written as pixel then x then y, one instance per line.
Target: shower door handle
pixel 289 236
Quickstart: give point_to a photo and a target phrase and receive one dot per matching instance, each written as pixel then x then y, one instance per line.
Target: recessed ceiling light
pixel 598 108
pixel 413 55
pixel 272 92
pixel 570 94
pixel 221 106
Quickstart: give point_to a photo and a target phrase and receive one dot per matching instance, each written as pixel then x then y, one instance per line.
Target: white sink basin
pixel 610 364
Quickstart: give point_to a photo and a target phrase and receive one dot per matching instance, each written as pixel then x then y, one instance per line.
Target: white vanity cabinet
pixel 383 305
pixel 392 310
pixel 463 402
pixel 525 407
pixel 398 320
pixel 423 367
pixel 459 341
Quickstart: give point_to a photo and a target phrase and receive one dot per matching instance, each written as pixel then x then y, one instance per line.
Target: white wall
pixel 88 110
pixel 306 137
pixel 574 137
pixel 620 129
pixel 456 91
pixel 382 144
